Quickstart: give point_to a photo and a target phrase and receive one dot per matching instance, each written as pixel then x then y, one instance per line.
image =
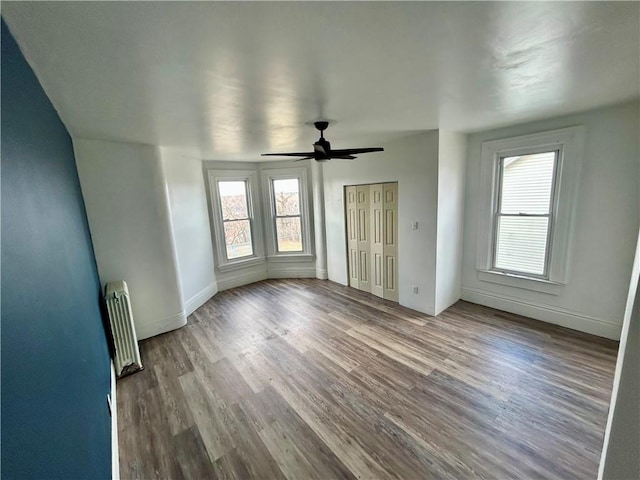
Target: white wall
pixel 452 155
pixel 605 228
pixel 125 194
pixel 317 189
pixel 412 162
pixel 190 226
pixel 622 436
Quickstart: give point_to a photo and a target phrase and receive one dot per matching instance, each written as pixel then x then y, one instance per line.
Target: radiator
pixel 127 357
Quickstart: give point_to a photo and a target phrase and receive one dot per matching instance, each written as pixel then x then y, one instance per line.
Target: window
pixel 524 216
pixel 286 205
pixel 235 218
pixel 527 197
pixel 285 191
pixel 236 227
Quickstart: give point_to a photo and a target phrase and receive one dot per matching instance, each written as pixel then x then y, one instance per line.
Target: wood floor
pixel 304 379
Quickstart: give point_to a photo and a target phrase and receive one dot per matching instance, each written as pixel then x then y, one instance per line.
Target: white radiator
pixel 124 334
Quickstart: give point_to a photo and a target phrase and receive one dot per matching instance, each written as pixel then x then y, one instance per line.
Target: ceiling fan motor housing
pixel 322 149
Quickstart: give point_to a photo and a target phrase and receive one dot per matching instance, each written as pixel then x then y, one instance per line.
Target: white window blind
pixel 524 215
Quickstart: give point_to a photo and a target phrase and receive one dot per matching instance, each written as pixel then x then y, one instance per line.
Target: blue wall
pixel 55 359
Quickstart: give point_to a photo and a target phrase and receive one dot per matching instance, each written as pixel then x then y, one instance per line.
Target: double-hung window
pixel 236 219
pixel 287 214
pixel 237 228
pixel 527 199
pixel 287 202
pixel 523 221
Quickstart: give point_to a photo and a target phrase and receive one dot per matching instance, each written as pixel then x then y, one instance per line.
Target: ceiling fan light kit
pixel 322 149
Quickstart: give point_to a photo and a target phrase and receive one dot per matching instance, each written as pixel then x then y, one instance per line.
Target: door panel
pixel 377 235
pixel 364 245
pixel 390 247
pixel 352 235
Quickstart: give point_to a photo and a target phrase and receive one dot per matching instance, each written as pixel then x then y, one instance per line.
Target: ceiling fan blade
pixel 345 157
pixel 305 158
pixel 319 149
pixel 296 154
pixel 350 151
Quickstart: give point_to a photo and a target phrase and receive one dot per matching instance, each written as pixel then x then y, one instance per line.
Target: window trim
pixel 250 177
pixel 268 176
pixel 569 143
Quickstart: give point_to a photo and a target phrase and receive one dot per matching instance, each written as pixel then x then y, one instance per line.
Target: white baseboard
pixel 287 271
pixel 152 329
pixel 200 298
pixel 274 270
pixel 241 278
pixel 545 313
pixel 115 451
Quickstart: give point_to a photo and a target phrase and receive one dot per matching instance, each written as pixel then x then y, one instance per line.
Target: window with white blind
pixel 527 199
pixel 524 215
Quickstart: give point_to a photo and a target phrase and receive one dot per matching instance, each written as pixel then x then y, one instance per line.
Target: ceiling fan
pixel 322 149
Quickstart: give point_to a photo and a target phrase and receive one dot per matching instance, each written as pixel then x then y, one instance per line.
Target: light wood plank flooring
pixel 307 379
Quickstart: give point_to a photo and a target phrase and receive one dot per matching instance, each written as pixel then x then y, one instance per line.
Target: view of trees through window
pixel 286 193
pixel 235 218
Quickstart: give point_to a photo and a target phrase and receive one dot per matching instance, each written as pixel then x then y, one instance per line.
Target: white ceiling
pixel 231 80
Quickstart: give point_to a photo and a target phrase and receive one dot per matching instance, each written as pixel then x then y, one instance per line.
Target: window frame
pixel 568 142
pixel 268 177
pixel 252 192
pixel 550 215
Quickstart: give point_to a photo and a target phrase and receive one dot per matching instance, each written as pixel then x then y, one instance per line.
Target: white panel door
pixel 390 240
pixel 352 235
pixel 364 244
pixel 377 237
pixel 372 238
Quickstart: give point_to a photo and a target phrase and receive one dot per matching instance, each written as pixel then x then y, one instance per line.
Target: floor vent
pixel 127 358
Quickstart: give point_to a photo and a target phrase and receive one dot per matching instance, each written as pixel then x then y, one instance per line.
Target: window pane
pixel 287 196
pixel 233 200
pixel 237 237
pixel 522 244
pixel 289 234
pixel 527 182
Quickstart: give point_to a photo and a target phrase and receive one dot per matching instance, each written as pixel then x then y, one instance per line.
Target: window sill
pixel 239 264
pixel 291 257
pixel 520 281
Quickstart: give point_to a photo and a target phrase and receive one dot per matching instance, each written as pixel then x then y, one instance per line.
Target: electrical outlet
pixel 414 288
pixel 414 225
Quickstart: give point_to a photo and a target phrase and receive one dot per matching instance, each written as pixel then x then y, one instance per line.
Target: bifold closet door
pixel 377 239
pixel 390 240
pixel 364 238
pixel 372 231
pixel 352 236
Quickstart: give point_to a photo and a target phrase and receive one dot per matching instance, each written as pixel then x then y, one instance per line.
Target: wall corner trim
pixel 115 450
pixel 200 298
pixel 546 313
pixel 151 329
pixel 322 274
